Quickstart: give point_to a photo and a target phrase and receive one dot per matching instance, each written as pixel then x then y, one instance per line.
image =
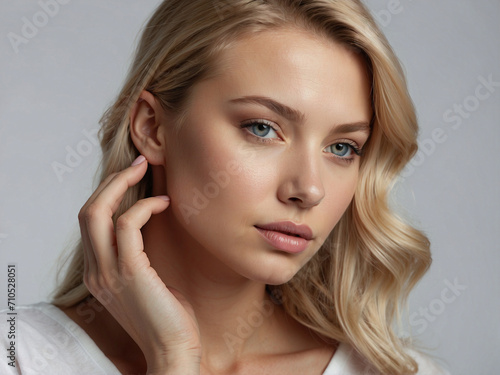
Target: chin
pixel 280 279
pixel 273 275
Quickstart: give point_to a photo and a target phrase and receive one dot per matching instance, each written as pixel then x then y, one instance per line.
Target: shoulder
pixel 348 361
pixel 38 318
pixel 41 339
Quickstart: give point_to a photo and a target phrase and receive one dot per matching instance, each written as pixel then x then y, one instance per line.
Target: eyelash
pixel 353 146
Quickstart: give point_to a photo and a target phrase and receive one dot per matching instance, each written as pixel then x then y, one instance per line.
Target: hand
pixel 118 273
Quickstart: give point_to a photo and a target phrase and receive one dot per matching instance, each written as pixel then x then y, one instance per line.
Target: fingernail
pixel 138 161
pixel 164 197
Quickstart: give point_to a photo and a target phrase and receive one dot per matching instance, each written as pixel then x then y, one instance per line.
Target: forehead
pixel 299 68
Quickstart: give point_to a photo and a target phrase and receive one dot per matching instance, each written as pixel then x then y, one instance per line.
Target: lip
pixel 283 235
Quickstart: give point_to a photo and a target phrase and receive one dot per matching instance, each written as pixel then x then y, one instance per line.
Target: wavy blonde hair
pixel 354 288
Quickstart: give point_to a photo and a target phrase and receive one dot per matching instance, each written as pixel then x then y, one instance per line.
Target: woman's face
pixel 273 138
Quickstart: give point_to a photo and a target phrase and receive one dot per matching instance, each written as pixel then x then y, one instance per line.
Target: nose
pixel 301 181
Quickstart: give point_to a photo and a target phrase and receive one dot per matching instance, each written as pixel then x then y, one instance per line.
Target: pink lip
pixel 283 235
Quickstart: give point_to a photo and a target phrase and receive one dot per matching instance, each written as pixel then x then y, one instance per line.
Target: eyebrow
pixel 297 116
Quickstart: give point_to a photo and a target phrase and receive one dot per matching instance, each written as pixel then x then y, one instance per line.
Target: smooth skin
pixel 178 276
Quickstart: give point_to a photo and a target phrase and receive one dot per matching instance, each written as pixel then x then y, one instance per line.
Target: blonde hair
pixel 352 290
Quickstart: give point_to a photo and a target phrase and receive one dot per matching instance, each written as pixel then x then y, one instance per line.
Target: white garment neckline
pixel 337 363
pixel 80 336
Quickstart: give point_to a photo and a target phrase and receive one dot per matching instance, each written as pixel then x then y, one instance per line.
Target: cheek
pixel 339 193
pixel 207 177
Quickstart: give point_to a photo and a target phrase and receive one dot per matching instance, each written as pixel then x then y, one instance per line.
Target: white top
pixel 48 342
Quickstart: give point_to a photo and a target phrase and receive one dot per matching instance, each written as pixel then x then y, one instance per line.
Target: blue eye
pixel 341 149
pixel 264 133
pixel 344 150
pixel 260 129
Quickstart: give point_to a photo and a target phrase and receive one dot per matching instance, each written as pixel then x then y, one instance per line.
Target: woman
pixel 252 233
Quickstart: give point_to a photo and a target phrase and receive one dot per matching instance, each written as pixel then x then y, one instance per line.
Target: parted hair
pixel 356 286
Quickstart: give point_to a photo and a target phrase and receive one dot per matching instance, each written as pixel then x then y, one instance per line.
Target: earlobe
pixel 145 119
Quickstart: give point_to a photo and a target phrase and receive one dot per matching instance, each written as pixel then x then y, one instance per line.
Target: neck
pixel 237 319
pixel 235 315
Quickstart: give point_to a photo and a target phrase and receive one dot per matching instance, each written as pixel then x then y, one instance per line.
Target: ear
pixel 146 130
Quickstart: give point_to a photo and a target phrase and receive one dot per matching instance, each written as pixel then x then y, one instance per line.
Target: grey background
pixel 58 84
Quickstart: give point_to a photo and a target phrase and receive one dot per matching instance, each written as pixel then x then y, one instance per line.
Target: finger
pixel 128 226
pixel 89 260
pixel 98 217
pixel 100 236
pixel 112 194
pixel 105 183
pixel 101 186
